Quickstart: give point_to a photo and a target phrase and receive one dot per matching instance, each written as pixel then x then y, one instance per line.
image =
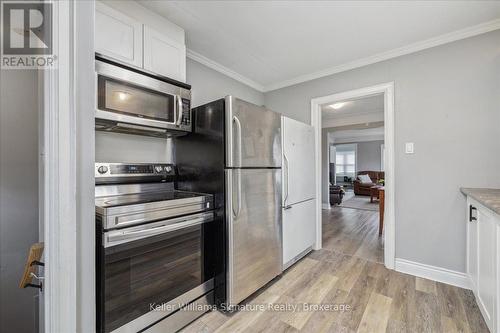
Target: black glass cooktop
pixel 141 198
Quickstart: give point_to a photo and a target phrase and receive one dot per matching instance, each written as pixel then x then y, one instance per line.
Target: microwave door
pixel 124 96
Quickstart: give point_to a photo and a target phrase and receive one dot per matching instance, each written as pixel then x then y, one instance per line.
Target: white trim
pixel 69 301
pixel 433 273
pixel 332 146
pixel 389 224
pixel 412 48
pixel 382 153
pixel 224 70
pixel 325 206
pixel 59 179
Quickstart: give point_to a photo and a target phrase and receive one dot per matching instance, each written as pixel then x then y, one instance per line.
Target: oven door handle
pixel 116 237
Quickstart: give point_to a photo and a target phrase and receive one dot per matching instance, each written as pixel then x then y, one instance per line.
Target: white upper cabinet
pixel 117 35
pixel 164 55
pixel 132 34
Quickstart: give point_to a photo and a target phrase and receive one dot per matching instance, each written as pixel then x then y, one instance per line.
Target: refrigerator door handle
pixel 230 236
pixel 229 131
pixel 238 192
pixel 287 178
pixel 238 127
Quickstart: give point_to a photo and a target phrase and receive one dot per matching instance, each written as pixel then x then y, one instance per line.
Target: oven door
pixel 152 270
pixel 127 97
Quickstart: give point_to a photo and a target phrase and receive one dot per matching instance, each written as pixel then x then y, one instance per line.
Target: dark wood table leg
pixel 381 198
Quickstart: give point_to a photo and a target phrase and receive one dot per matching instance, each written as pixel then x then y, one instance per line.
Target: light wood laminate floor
pixel 348 272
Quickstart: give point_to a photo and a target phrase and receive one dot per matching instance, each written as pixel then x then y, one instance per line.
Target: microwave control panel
pixel 186 112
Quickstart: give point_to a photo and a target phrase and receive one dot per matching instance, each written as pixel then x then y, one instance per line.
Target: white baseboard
pixel 434 273
pixel 325 206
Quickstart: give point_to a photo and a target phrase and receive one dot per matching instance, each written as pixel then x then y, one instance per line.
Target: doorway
pixel 317 104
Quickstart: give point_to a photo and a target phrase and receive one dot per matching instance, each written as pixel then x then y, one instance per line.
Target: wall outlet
pixel 409 148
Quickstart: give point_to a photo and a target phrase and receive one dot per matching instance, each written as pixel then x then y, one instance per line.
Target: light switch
pixel 409 149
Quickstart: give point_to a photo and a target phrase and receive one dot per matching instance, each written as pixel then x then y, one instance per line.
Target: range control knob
pixel 158 168
pixel 102 169
pixel 168 168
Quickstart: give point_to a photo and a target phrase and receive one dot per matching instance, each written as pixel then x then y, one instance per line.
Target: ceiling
pixel 272 44
pixel 351 108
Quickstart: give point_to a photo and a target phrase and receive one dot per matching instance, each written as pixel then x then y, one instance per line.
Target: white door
pixel 117 35
pixel 486 274
pixel 298 162
pixel 164 55
pixel 298 229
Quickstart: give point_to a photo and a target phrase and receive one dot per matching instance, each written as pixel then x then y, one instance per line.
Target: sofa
pixel 364 188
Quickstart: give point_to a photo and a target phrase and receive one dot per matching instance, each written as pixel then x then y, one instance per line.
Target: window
pixel 345 163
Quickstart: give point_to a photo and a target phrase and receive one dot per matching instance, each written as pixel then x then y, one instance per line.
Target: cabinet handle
pixel 471 209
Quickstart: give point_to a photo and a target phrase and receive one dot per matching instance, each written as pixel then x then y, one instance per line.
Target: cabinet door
pixel 163 55
pixel 117 35
pixel 472 246
pixel 487 254
pixel 299 229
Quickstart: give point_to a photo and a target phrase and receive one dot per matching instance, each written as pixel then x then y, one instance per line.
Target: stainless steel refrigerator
pixel 235 153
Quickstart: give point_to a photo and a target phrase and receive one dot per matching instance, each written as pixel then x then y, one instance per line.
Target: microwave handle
pixel 178 100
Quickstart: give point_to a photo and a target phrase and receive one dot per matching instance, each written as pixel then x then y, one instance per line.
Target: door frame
pixel 67 171
pixel 332 146
pixel 387 89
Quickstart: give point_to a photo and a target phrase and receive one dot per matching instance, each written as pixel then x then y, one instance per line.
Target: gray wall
pixel 368 156
pixel 447 102
pixel 18 195
pixel 117 147
pixel 207 85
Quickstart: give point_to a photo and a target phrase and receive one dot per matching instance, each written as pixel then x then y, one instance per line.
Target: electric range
pixel 155 249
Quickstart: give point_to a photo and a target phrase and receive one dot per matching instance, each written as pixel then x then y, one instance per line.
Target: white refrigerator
pixel 299 194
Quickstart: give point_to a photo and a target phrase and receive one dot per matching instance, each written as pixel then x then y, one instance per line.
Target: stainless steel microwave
pixel 134 101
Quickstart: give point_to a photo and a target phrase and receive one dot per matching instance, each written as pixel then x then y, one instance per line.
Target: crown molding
pixel 224 70
pixel 412 48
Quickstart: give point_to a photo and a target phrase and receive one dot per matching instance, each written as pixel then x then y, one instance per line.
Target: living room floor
pixel 345 273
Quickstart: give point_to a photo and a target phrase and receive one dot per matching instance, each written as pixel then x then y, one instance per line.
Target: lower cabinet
pixel 483 230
